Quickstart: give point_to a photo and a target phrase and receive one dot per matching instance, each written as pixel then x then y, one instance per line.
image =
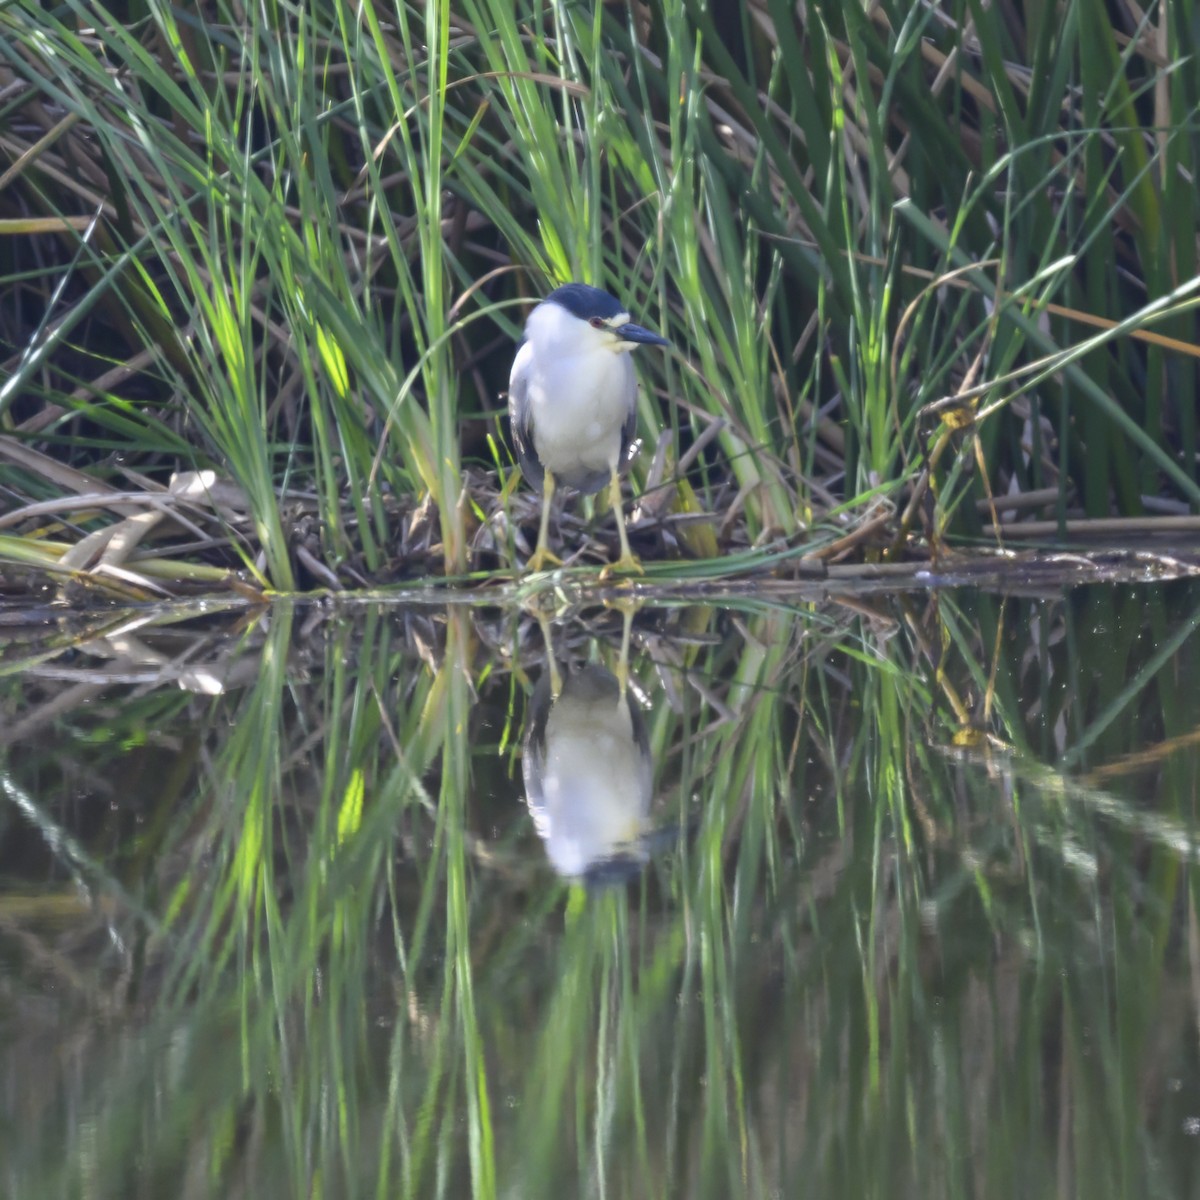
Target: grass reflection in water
pixel 904 907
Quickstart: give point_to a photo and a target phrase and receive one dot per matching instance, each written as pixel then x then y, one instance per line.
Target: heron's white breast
pixel 578 405
pixel 595 787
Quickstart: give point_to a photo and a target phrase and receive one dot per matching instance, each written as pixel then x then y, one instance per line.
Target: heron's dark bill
pixel 635 333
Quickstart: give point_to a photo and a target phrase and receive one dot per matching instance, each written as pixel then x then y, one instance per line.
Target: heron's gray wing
pixel 533 751
pixel 519 416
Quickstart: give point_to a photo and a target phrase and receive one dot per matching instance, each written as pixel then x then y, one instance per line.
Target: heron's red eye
pixel 597 322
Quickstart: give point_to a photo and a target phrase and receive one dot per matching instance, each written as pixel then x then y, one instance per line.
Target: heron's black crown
pixel 584 301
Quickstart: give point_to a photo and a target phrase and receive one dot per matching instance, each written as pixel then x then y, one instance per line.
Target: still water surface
pixel 871 897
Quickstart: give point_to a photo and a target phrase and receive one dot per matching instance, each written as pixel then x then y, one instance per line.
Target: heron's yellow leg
pixel 628 563
pixel 627 611
pixel 541 557
pixel 556 685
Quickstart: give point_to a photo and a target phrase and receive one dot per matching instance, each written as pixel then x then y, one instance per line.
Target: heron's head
pixel 578 319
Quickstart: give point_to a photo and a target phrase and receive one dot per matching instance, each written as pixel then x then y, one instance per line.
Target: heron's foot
pixel 540 560
pixel 627 564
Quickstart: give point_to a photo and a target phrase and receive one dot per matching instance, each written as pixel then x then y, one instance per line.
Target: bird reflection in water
pixel 588 773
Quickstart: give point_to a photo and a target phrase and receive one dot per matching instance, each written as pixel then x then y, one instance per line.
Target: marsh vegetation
pixel 925 270
pixel 896 896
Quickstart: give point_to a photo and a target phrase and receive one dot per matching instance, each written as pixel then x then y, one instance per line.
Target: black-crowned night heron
pixel 588 777
pixel 572 397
